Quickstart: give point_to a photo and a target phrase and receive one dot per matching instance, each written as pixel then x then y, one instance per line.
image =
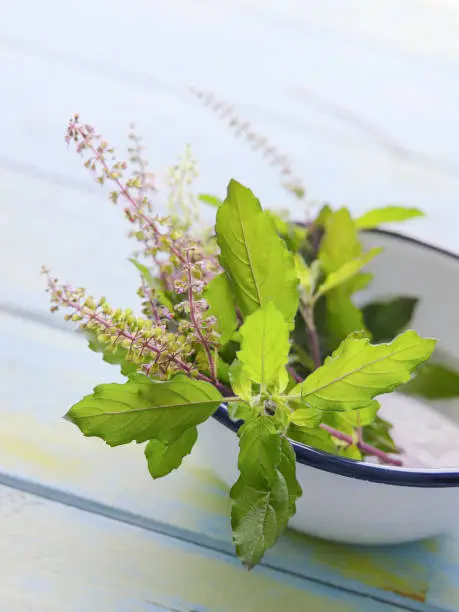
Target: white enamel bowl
pixel 354 502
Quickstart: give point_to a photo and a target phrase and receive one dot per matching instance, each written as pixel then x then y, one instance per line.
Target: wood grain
pixel 56 558
pixel 367 112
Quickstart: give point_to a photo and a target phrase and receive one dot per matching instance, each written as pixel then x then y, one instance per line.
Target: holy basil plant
pixel 258 316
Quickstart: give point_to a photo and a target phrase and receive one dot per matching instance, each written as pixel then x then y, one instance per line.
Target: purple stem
pixel 366 448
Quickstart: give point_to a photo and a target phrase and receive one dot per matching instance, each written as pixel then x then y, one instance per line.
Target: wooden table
pixel 83 527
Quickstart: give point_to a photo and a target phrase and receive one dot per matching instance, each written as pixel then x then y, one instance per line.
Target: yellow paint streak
pixel 14 447
pixel 370 567
pixel 208 478
pixel 28 443
pixel 97 564
pixel 443 573
pixel 55 453
pixel 431 545
pixel 203 490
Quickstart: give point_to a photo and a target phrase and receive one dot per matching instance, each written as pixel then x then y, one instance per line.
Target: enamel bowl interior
pixel 356 502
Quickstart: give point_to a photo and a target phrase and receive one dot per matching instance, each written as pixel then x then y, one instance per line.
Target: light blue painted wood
pixel 364 97
pixel 39 225
pixel 55 558
pixel 402 84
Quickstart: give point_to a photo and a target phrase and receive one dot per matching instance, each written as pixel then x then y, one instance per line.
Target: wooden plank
pixel 57 558
pixel 51 214
pixel 43 230
pixel 44 371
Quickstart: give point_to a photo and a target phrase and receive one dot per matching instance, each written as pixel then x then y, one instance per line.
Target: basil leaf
pixel 358 371
pixel 163 456
pixel 388 214
pixel 263 498
pixel 386 319
pixel 142 409
pixel 259 265
pixel 265 345
pixel 433 381
pixel 220 297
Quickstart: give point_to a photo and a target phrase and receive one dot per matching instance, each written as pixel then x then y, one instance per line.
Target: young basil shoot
pixel 258 315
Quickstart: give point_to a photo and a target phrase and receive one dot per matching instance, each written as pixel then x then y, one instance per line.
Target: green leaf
pixel 358 371
pixel 347 271
pixel 388 214
pixel 118 357
pixel 338 421
pixel 152 283
pixel 264 496
pixel 316 438
pixel 282 225
pixel 386 319
pixel 265 345
pixel 378 435
pixel 220 297
pixel 287 467
pixel 279 385
pixel 222 368
pixel 303 272
pixel 260 513
pixel 210 199
pixel 307 275
pixel 300 356
pixel 343 316
pixel 259 438
pixel 144 271
pixel 229 351
pixel 360 417
pixel 163 457
pixel 340 244
pixel 142 409
pixel 240 381
pixel 241 411
pixel 306 417
pixel 201 363
pixel 260 267
pixel 293 235
pixel 433 381
pixel 361 281
pixel 347 423
pixel 323 215
pixel 350 451
pixel 114 355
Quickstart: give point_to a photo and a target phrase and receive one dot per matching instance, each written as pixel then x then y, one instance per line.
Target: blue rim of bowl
pixel 398 476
